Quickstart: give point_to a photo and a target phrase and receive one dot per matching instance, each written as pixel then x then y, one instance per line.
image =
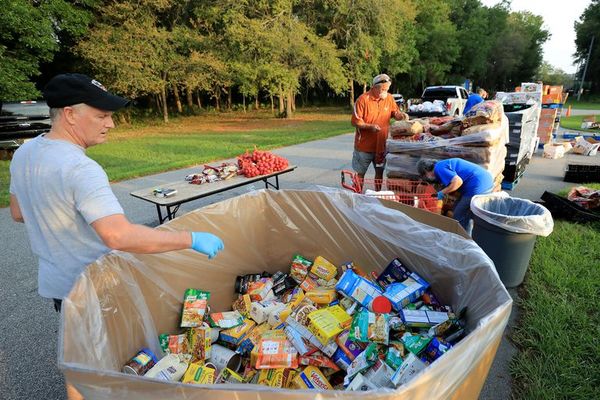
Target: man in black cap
pixel 64 197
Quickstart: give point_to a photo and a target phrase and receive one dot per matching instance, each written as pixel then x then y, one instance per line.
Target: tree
pixel 588 26
pixel 553 76
pixel 31 34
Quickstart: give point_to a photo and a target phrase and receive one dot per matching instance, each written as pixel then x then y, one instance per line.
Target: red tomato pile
pixel 260 163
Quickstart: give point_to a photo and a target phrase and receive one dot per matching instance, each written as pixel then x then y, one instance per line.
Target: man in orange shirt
pixel 371 117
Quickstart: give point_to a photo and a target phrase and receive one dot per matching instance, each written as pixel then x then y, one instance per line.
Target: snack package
pixel 395 354
pixel 260 311
pixel 379 328
pixel 199 373
pixel 324 325
pixel 323 269
pixel 360 384
pixel 261 289
pixel 283 285
pixel 322 296
pixel 341 315
pixel 296 339
pixel 362 362
pixel 318 359
pixel 279 315
pixel 311 378
pixel 350 347
pixel 229 376
pixel 225 320
pixel 360 289
pixel 194 307
pixel 174 344
pixel 242 305
pixel 252 338
pixel 328 349
pixel 380 375
pixel 169 368
pixel 415 343
pixel 299 268
pixel 294 297
pixel 394 272
pixel 359 330
pixel 411 366
pixel 308 284
pixel 200 343
pixel 300 313
pixel 272 377
pixel 275 351
pixel 436 348
pixel 422 319
pixel 401 294
pixel 235 335
pixel 341 359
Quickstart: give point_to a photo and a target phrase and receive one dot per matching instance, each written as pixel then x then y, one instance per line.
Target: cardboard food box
pixel 586 146
pixel 123 301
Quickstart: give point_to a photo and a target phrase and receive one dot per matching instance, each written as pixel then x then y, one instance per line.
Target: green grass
pixel 584 104
pixel 155 147
pixel 574 123
pixel 558 334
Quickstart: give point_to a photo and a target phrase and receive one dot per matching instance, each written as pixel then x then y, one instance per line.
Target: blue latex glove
pixel 206 243
pixel 440 195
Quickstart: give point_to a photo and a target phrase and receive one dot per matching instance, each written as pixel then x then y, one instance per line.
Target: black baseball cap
pixel 68 89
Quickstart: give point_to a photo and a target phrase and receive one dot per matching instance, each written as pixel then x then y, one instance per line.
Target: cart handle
pixel 351 176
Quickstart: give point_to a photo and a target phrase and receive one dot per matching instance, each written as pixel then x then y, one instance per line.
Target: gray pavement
pixel 29 325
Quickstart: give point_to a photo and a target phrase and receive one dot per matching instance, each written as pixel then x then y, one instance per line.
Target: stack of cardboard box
pixel 546 125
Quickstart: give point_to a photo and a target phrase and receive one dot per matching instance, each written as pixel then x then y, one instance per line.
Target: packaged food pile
pixel 480 136
pixel 309 328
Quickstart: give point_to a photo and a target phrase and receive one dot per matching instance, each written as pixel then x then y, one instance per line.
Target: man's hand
pixel 400 116
pixel 373 127
pixel 440 195
pixel 206 243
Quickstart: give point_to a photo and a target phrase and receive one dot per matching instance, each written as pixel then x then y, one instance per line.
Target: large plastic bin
pixel 506 229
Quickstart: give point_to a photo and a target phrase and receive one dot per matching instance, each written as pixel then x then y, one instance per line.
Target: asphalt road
pixel 29 325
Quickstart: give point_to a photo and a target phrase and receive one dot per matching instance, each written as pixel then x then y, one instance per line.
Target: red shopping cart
pixel 414 193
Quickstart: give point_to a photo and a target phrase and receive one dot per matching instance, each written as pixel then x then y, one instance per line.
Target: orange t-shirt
pixel 372 110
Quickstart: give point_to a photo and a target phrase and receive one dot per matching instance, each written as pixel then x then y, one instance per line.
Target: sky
pixel 559 17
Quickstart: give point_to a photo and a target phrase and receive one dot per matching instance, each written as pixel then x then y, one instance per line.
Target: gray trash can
pixel 506 228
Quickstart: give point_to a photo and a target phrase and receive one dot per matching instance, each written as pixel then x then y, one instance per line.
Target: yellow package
pixel 323 269
pixel 279 316
pixel 236 334
pixel 252 338
pixel 322 296
pixel 308 284
pixel 242 305
pixel 341 315
pixel 200 343
pixel 311 378
pixel 324 325
pixel 200 374
pixel 289 379
pixel 229 376
pixel 295 297
pixel 271 377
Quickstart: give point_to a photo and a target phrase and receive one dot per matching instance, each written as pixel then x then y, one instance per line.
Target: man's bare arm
pixel 15 210
pixel 119 234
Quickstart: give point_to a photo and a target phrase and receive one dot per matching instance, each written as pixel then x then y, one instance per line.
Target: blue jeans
pixel 463 213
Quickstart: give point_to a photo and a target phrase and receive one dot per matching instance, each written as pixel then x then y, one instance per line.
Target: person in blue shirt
pixel 475 98
pixel 457 174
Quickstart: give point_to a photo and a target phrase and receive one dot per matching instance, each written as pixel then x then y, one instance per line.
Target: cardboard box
pixel 554 151
pixel 121 302
pixel 586 146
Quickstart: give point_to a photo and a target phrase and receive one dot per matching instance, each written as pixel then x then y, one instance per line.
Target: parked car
pixel 447 100
pixel 22 120
pixel 399 99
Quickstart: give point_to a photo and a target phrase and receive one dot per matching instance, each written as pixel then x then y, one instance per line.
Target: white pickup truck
pixel 446 100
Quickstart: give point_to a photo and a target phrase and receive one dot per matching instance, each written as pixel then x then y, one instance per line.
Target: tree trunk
pixel 272 104
pixel 244 102
pixel 364 88
pixel 199 100
pixel 217 101
pixel 288 106
pixel 352 94
pixel 163 93
pixel 177 99
pixel 293 100
pixel 229 99
pixel 281 101
pixel 256 105
pixel 189 97
pixel 157 101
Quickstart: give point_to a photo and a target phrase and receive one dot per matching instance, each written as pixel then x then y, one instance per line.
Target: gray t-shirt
pixel 61 192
